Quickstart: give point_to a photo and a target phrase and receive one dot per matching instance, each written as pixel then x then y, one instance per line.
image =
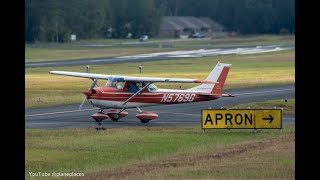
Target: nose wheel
pixel 99 117
pixel 99 127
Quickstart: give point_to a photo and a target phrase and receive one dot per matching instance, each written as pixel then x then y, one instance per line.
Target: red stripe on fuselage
pixel 159 98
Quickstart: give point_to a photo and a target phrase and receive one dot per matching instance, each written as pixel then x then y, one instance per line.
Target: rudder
pixel 217 88
pixel 218 74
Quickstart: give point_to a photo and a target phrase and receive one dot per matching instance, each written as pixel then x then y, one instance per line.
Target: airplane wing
pixel 131 78
pixel 83 75
pixel 173 80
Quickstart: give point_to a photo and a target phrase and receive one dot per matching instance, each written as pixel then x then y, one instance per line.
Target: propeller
pixel 84 99
pixel 94 84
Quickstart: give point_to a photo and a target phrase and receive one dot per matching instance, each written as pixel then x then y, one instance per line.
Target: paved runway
pixel 68 116
pixel 162 55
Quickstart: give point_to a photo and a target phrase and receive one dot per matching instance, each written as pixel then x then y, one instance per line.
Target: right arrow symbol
pixel 269 118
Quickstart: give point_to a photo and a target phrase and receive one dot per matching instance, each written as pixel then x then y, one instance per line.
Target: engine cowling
pixel 114 113
pixel 147 115
pixel 99 116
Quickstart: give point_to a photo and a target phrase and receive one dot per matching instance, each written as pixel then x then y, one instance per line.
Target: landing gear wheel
pixel 144 120
pixel 115 117
pixel 99 125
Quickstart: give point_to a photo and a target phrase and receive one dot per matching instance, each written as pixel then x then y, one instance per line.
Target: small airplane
pixel 122 92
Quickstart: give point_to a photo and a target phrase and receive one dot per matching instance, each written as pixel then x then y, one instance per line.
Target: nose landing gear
pixel 99 117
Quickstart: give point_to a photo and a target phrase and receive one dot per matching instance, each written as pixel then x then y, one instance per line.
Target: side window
pixel 140 84
pixel 119 85
pixel 133 87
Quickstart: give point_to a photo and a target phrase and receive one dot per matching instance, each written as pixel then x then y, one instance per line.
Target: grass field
pixel 165 152
pixel 273 68
pixel 68 51
pixel 288 107
pixel 162 153
pixel 47 54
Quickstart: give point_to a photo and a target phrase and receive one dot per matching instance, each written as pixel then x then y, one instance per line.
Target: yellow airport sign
pixel 241 119
pixel 268 118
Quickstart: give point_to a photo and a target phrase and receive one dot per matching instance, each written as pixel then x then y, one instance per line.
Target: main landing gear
pixel 116 114
pixel 146 116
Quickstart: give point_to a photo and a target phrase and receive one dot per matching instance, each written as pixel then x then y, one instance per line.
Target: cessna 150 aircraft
pixel 122 92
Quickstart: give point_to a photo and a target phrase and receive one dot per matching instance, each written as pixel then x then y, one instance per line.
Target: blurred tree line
pixel 55 20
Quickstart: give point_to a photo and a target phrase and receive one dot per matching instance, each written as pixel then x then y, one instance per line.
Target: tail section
pixel 218 74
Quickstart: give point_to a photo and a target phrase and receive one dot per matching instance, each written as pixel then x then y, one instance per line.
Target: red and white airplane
pixel 122 92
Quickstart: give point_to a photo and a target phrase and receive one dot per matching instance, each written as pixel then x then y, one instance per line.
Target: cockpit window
pixel 136 86
pixel 117 82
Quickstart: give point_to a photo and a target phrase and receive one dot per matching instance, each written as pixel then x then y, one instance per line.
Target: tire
pixel 144 120
pixel 114 119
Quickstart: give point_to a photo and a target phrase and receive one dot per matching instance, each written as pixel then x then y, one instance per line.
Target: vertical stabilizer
pixel 218 74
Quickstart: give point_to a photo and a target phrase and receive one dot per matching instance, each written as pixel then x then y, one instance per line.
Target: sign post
pixel 241 119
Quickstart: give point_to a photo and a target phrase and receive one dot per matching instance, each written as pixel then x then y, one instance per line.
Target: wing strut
pixel 135 94
pixel 93 84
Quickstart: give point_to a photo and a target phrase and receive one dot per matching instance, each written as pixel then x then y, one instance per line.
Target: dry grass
pixel 257 159
pixel 162 153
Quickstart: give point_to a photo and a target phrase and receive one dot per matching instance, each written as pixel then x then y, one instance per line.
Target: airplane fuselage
pixel 111 97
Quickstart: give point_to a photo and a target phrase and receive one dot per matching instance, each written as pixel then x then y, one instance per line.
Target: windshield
pixel 115 82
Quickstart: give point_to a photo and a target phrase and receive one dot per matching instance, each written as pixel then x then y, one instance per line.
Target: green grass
pixel 273 68
pixel 261 40
pixel 68 51
pixel 43 54
pixel 288 107
pixel 162 152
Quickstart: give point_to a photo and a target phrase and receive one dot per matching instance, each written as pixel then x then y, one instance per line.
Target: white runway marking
pixel 37 64
pixel 208 52
pixel 171 113
pixel 263 92
pixel 61 112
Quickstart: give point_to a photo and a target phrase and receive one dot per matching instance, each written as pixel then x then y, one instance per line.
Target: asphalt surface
pixel 68 116
pixel 161 56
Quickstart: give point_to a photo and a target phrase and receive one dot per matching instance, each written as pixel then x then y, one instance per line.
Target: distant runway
pixel 69 116
pixel 162 56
